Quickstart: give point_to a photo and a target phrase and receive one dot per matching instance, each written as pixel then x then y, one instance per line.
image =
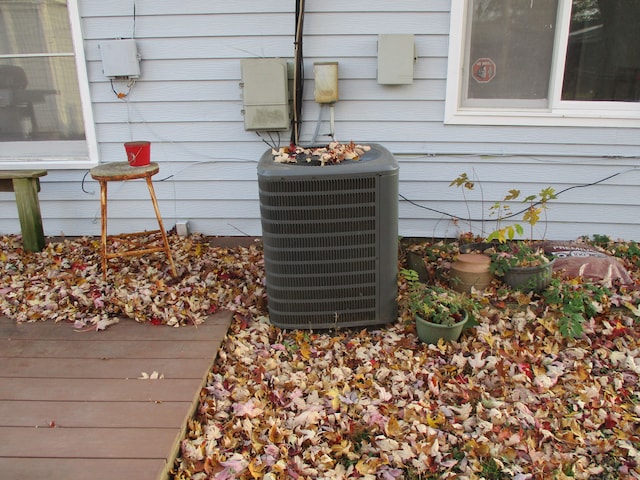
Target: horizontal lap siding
pixel 188 103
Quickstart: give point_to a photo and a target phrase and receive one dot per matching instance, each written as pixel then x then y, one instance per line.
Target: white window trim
pixel 58 155
pixel 559 112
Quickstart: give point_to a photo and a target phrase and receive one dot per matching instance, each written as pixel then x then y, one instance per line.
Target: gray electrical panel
pixel 266 94
pixel 396 56
pixel 120 58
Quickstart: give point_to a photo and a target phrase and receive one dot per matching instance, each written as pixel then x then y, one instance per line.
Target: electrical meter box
pixel 120 58
pixel 396 56
pixel 266 94
pixel 326 82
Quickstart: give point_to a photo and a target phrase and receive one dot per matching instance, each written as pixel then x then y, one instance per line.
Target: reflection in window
pixel 603 58
pixel 514 39
pixel 39 95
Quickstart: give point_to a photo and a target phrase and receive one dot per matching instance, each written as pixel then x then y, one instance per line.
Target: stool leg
pixel 103 225
pixel 162 231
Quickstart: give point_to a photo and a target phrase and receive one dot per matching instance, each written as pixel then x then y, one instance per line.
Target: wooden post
pixel 26 185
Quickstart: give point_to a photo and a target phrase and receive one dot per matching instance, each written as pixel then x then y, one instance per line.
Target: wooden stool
pixel 135 243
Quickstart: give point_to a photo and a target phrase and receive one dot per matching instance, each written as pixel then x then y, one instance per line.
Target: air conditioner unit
pixel 330 236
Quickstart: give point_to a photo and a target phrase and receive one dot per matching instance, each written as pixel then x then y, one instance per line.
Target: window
pixel 544 62
pixel 45 114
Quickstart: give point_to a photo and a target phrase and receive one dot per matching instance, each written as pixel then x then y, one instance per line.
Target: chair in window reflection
pixel 17 117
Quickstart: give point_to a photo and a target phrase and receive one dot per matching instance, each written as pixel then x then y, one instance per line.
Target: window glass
pixel 39 94
pixel 603 58
pixel 509 52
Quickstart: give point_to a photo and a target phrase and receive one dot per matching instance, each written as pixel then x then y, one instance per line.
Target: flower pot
pixel 138 153
pixel 529 278
pixel 470 270
pixel 432 332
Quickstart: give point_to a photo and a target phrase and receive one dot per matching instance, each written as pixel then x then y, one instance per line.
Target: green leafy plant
pixel 575 301
pixel 516 254
pixel 511 251
pixel 501 209
pixel 531 215
pixel 437 304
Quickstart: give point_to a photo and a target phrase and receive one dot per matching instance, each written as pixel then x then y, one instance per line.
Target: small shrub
pixel 575 301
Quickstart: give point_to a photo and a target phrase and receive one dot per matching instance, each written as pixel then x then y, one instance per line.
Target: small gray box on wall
pixel 120 58
pixel 396 56
pixel 266 94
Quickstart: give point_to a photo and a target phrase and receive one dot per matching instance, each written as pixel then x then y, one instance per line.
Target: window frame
pixel 62 154
pixel 558 113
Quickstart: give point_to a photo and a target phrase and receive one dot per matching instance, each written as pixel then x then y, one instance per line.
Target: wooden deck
pixel 73 405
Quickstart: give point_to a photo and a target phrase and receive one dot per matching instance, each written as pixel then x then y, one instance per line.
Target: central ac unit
pixel 330 236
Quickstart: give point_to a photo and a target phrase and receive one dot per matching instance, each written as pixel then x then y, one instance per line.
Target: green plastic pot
pixel 528 279
pixel 432 332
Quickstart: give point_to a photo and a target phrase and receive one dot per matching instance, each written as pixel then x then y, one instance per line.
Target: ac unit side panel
pixel 387 236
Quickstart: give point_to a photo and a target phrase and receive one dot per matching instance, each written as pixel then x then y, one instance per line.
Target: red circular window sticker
pixel 483 70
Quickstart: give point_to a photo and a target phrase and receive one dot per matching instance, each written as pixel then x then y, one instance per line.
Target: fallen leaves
pixel 512 399
pixel 63 282
pixel 490 401
pixel 333 153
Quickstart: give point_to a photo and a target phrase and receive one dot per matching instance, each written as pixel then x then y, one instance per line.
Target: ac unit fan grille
pixel 319 228
pixel 321 255
pixel 320 282
pixel 312 214
pixel 332 184
pixel 322 242
pixel 325 268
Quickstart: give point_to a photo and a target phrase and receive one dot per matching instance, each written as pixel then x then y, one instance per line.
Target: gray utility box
pixel 330 236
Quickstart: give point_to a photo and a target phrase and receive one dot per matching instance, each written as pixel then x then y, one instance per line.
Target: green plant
pixel 537 204
pixel 576 302
pixel 466 183
pixel 501 210
pixel 516 254
pixel 437 304
pixel 491 470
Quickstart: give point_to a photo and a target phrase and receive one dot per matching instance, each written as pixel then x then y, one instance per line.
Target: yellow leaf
pixel 335 398
pixel 275 435
pixel 256 468
pixel 392 429
pixel 368 466
pixel 436 421
pixel 633 308
pixel 305 351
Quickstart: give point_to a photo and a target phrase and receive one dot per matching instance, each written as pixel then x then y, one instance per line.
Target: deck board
pixel 73 404
pixel 77 468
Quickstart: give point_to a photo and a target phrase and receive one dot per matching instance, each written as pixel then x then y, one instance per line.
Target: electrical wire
pixel 520 212
pixel 133 33
pixel 298 74
pixel 123 95
pixel 274 144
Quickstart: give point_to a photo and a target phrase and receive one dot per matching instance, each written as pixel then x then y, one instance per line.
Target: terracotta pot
pixel 432 332
pixel 470 270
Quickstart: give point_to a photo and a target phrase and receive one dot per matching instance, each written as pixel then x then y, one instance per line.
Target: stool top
pixel 114 171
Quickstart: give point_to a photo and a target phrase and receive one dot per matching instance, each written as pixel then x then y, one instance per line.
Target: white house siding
pixel 188 103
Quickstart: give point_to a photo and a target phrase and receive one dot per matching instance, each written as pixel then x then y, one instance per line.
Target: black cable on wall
pixel 298 74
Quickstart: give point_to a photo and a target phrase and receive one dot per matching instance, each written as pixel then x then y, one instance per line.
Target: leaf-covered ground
pixel 513 399
pixel 64 283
